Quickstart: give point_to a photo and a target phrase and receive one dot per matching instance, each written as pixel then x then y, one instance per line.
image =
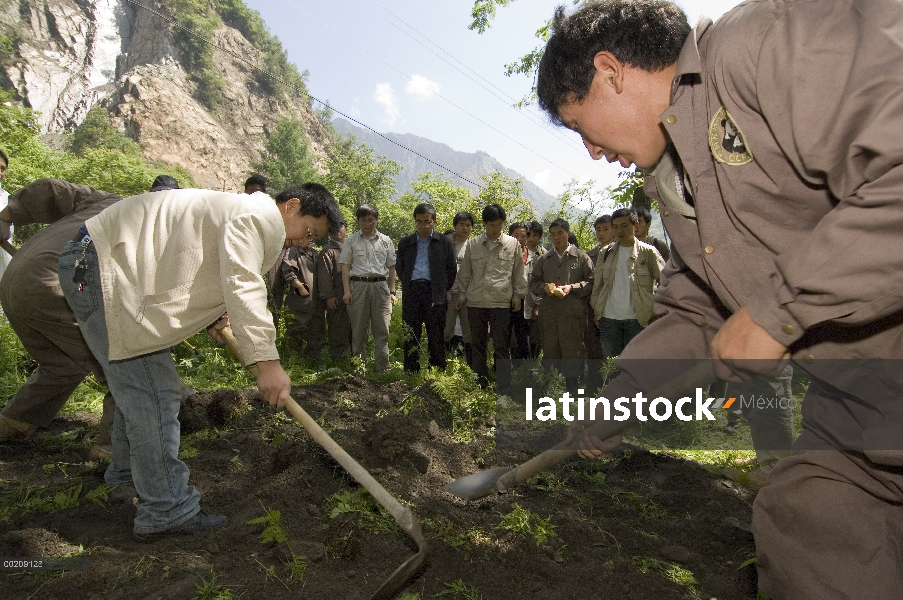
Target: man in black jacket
pixel 427 268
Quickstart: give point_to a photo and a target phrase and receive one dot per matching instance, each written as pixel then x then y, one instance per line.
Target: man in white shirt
pixel 368 278
pixel 626 274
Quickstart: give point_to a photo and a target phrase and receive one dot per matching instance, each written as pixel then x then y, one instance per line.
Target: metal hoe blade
pixel 478 485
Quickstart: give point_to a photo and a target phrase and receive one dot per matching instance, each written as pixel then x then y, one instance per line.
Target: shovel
pixel 402 515
pixel 500 479
pixel 10 249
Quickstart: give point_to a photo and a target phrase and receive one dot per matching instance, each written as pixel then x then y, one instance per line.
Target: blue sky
pixel 412 66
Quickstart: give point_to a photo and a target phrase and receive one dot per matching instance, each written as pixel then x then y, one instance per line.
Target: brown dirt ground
pixel 620 524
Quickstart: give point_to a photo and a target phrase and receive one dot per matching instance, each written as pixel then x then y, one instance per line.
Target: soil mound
pixel 634 525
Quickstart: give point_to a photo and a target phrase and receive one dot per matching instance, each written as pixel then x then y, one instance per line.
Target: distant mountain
pixel 468 164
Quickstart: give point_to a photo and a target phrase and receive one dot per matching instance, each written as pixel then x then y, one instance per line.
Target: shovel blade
pixel 477 485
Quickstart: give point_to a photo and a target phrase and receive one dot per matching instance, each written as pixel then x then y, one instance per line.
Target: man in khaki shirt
pixel 492 282
pixel 368 278
pixel 771 140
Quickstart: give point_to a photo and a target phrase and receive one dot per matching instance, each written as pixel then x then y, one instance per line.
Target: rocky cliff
pixel 70 55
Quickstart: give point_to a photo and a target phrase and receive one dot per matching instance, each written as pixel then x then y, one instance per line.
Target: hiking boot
pixel 15 431
pixel 199 523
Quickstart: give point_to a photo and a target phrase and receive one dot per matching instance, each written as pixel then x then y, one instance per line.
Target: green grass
pixel 528 524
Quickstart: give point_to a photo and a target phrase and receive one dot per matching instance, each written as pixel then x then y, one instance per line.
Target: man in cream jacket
pixel 149 272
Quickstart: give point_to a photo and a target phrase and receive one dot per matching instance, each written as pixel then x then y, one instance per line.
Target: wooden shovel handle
pixel 402 515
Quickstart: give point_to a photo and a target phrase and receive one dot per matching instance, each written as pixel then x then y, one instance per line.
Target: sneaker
pixel 15 431
pixel 101 453
pixel 199 523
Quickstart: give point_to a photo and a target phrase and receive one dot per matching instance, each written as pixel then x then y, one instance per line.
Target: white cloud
pixel 385 95
pixel 542 178
pixel 421 87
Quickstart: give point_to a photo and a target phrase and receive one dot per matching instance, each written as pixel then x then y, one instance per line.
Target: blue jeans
pixel 615 334
pixel 148 395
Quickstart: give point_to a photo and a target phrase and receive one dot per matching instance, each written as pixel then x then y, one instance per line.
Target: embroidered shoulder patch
pixel 726 141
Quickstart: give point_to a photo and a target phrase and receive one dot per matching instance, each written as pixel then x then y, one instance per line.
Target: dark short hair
pixel 518 225
pixel 603 220
pixel 462 216
pixel 572 239
pixel 4 157
pixel 425 208
pixel 535 227
pixel 559 222
pixel 625 212
pixel 316 201
pixel 164 182
pixel 256 180
pixel 646 34
pixel 643 213
pixel 494 212
pixel 366 210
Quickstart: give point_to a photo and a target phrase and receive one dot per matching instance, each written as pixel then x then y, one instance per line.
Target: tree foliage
pixel 580 204
pixel 102 165
pixel 204 17
pixel 286 159
pixel 356 177
pixel 97 132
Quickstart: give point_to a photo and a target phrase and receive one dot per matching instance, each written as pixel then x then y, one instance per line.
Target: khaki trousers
pixel 370 309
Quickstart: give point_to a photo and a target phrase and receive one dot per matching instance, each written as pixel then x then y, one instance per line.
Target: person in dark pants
pixel 520 329
pixel 329 286
pixel 493 283
pixel 427 268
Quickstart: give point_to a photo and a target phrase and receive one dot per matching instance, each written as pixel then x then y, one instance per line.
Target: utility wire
pixel 291 86
pixel 498 93
pixel 465 111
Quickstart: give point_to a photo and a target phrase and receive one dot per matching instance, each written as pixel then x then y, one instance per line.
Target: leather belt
pixel 367 279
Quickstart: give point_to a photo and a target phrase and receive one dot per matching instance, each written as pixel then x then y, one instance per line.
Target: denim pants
pixel 148 395
pixel 615 334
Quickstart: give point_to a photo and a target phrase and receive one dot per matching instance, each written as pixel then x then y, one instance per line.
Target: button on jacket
pixel 644 269
pixel 441 259
pixel 492 274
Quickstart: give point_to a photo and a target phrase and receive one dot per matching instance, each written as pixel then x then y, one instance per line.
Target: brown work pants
pixel 338 331
pixel 829 526
pixel 43 321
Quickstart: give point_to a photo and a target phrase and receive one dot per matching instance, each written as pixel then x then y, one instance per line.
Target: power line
pixel 507 100
pixel 465 111
pixel 291 86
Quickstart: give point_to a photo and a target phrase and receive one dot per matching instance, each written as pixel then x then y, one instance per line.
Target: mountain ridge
pixel 456 163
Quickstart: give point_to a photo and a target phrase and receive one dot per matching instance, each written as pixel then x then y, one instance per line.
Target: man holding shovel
pixel 149 272
pixel 752 131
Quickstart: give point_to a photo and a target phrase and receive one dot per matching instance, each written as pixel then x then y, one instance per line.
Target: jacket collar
pixel 690 62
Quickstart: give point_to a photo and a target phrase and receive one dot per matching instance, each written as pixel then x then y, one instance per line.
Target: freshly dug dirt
pixel 636 525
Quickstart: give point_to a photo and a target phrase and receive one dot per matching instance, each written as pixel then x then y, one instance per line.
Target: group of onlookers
pixel 466 290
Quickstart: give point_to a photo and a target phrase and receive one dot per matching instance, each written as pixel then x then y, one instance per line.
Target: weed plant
pixel 528 524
